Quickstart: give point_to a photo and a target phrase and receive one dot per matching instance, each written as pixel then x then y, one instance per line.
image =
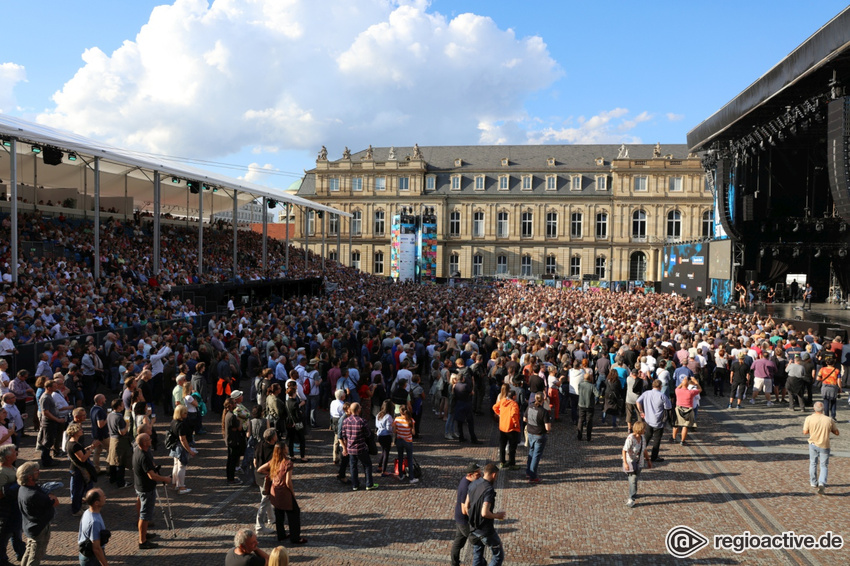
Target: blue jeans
pixel 88 561
pixel 829 406
pixel 491 540
pixel 363 458
pixel 818 454
pixel 79 487
pixel 450 424
pixel 9 532
pixel 536 444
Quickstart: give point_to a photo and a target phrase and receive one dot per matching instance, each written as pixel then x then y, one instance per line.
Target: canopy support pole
pixel 97 218
pixel 286 207
pixel 350 245
pixel 306 225
pixel 338 238
pixel 13 157
pixel 156 226
pixel 235 249
pixel 265 238
pixel 324 239
pixel 201 232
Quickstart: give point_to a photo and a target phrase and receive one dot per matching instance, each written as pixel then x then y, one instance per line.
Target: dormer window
pixel 600 161
pixel 458 162
pixel 505 162
pixel 550 162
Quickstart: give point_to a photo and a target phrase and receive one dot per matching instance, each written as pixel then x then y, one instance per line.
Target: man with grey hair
pixel 37 509
pixel 246 551
pixel 818 426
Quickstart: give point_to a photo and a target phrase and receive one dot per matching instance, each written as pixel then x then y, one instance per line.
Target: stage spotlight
pixel 771 141
pixel 7 143
pixel 793 129
pixel 775 251
pixel 842 252
pixel 795 252
pixel 36 149
pixel 175 180
pixel 72 156
pixel 819 225
pixel 761 252
pixel 796 226
pixel 271 203
pixel 817 253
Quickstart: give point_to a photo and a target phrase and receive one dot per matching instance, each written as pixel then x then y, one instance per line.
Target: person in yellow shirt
pixel 818 426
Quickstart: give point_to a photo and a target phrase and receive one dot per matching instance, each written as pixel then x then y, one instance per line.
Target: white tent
pixel 96 171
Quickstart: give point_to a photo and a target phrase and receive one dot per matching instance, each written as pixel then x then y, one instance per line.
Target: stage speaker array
pixel 838 154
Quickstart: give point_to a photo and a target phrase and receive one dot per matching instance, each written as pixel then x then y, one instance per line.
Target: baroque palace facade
pixel 571 211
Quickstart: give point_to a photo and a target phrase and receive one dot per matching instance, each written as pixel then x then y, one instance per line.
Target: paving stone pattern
pixel 744 470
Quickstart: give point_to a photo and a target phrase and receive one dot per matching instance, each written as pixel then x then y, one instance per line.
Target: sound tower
pixel 838 154
pixel 724 208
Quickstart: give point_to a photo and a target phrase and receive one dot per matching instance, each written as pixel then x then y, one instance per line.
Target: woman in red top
pixel 685 407
pixel 282 495
pixel 507 409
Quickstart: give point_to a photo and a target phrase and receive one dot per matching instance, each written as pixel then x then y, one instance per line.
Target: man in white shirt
pixel 4 377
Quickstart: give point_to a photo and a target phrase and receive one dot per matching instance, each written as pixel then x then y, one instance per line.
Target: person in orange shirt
pixel 829 377
pixel 507 409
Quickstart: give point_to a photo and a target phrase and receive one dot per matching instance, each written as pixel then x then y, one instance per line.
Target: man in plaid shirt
pixel 354 433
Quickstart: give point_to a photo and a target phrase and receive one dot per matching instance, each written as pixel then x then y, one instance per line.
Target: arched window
pixel 639 225
pixel 637 266
pixel 379 222
pixel 674 225
pixel 707 223
pixel 355 260
pixel 600 267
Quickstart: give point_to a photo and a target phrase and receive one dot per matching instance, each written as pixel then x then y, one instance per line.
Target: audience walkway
pixel 744 470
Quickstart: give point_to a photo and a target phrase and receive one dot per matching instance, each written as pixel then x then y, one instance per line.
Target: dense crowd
pixel 376 355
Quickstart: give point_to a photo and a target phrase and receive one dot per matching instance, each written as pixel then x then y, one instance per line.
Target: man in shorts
pixel 764 371
pixel 145 478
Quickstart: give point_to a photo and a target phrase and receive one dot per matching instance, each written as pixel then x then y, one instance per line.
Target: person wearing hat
pixel 739 378
pixel 473 472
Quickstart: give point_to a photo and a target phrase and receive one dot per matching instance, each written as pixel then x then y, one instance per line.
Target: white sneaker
pixel 752 401
pixel 184 491
pixel 414 480
pixel 630 502
pixel 769 403
pixel 264 531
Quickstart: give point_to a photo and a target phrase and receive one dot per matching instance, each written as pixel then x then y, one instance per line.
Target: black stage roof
pixel 808 69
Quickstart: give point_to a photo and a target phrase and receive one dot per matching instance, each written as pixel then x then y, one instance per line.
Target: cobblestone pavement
pixel 744 470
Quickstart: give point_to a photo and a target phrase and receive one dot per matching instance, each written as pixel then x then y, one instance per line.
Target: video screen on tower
pixel 685 270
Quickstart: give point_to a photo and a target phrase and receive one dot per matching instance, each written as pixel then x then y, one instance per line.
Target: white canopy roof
pixel 122 169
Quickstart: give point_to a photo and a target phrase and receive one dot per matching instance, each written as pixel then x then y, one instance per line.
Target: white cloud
pixel 10 75
pixel 212 78
pixel 674 117
pixel 609 126
pixel 257 173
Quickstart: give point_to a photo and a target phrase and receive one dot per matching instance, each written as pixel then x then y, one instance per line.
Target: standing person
pixel 537 427
pixel 818 426
pixel 653 406
pixel 613 402
pixel 120 453
pixel 295 421
pixel 507 409
pixel 463 394
pixel 246 551
pixel 353 435
pixel 739 378
pixel 263 454
pixel 634 458
pixel 282 495
pixel 808 293
pixel 384 427
pixel 337 413
pixel 50 430
pixel 480 505
pixel 829 377
pixel 234 439
pixel 10 513
pixel 82 476
pixel 685 417
pixel 473 472
pixel 145 478
pixel 180 430
pixel 93 535
pixel 764 373
pixel 795 384
pixel 587 395
pixel 200 385
pixel 403 427
pixel 99 432
pixel 37 510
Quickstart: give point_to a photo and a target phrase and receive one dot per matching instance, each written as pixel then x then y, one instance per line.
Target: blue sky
pixel 268 82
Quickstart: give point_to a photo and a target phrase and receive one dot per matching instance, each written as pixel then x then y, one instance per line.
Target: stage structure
pixel 777 158
pixel 685 270
pixel 413 248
